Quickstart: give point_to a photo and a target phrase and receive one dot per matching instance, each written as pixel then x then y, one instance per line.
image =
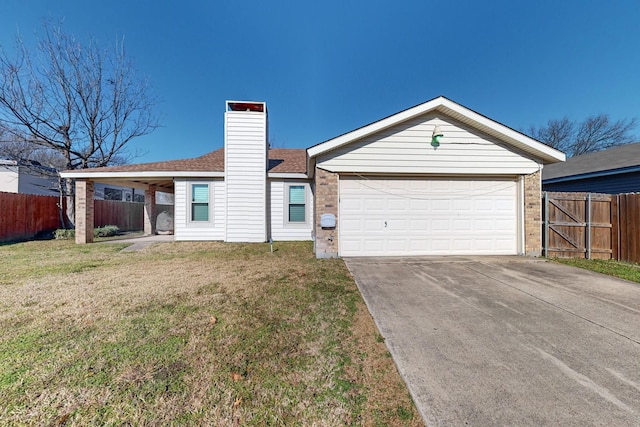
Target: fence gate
pixel 580 225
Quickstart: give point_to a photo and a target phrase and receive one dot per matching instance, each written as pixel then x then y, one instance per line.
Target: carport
pixel 84 195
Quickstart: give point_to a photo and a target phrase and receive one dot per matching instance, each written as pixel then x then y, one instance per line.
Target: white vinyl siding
pixel 406 148
pixel 184 228
pixel 428 216
pixel 281 228
pixel 245 176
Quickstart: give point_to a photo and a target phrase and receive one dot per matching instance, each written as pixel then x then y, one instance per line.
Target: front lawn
pixel 623 270
pixel 189 333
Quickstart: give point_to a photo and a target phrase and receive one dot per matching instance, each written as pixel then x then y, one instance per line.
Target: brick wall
pixel 532 215
pixel 84 211
pixel 150 210
pixel 326 201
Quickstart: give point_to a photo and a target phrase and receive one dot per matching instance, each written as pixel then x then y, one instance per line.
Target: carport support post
pixel 84 212
pixel 150 210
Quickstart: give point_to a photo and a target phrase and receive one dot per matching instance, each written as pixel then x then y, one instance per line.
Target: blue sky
pixel 325 68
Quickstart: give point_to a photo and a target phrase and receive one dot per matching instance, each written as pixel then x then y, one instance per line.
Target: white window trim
pixel 296 224
pixel 189 212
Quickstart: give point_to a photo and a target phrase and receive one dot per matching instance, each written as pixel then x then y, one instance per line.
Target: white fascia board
pixel 538 148
pixel 137 175
pixel 447 106
pixel 374 127
pixel 288 175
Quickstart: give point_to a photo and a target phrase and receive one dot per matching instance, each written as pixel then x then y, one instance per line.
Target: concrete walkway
pixel 497 341
pixel 141 242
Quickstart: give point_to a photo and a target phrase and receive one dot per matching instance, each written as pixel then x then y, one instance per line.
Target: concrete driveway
pixel 508 340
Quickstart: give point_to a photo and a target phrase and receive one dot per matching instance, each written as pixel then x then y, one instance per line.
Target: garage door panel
pixel 418 225
pixel 463 224
pixel 374 205
pixel 418 204
pixel 504 225
pixel 440 245
pixel 481 225
pixel 442 225
pixel 440 206
pixel 463 205
pixel 372 225
pixel 427 216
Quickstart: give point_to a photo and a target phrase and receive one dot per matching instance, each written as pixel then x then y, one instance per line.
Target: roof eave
pixel 589 175
pixel 142 174
pixel 517 139
pixel 289 175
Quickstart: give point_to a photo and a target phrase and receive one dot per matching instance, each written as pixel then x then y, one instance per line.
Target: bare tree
pixel 595 133
pixel 14 148
pixel 83 101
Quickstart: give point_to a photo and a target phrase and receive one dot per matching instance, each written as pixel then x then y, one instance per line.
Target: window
pixel 199 202
pixel 297 204
pixel 112 194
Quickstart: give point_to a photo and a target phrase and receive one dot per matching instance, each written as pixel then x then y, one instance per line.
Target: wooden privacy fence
pixel 629 227
pixel 127 216
pixel 23 216
pixel 589 225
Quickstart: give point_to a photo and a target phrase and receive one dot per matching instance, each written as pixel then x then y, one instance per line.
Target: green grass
pixel 189 334
pixel 614 268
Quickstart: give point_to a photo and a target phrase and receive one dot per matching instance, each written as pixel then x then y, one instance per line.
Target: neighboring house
pixel 31 177
pixel 28 177
pixel 612 171
pixel 435 179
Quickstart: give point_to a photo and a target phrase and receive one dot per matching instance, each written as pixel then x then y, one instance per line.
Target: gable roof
pixel 624 158
pixel 469 117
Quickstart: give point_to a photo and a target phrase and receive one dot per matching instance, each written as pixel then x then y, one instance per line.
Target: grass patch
pixel 189 333
pixel 622 270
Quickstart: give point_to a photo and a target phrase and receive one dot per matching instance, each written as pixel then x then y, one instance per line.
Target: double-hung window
pixel 199 202
pixel 297 204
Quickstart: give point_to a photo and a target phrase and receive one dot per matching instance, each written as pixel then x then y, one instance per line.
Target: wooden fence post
pixel 587 217
pixel 545 225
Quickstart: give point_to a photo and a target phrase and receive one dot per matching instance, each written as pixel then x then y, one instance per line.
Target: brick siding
pixel 326 201
pixel 150 210
pixel 532 215
pixel 84 211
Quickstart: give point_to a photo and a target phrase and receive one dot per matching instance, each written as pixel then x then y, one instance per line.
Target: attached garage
pixel 435 179
pixel 382 216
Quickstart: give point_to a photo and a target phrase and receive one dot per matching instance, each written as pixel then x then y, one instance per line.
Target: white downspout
pixel 521 211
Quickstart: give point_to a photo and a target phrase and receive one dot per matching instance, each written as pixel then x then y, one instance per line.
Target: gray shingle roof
pixel 620 157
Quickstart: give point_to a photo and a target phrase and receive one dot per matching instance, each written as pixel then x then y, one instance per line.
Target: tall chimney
pixel 245 140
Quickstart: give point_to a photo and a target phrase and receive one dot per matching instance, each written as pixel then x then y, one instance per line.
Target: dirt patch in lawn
pixel 191 334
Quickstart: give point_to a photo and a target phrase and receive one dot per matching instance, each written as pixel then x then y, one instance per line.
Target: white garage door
pixel 387 216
